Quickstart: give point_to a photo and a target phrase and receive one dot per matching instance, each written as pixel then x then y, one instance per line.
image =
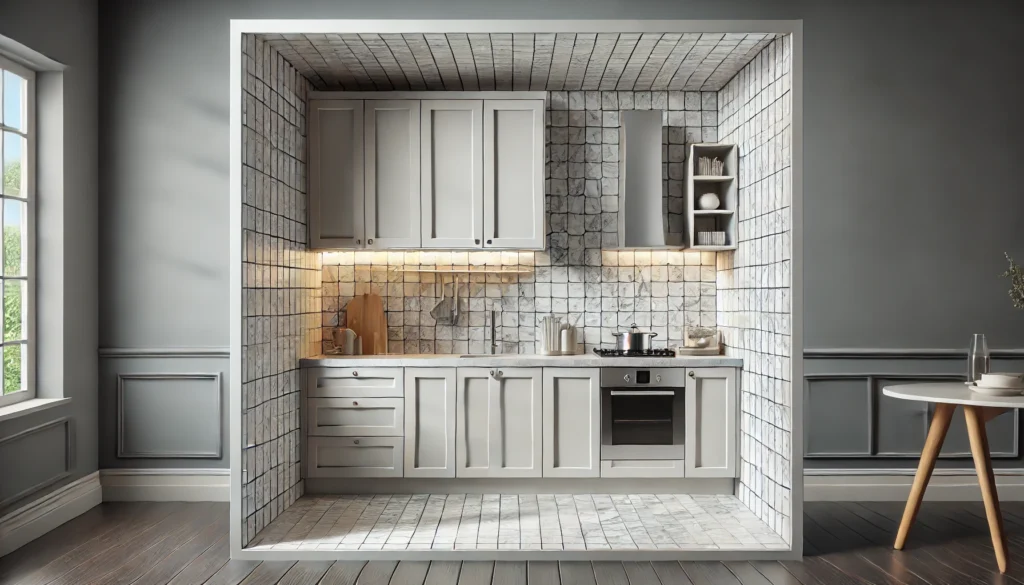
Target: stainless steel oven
pixel 642 413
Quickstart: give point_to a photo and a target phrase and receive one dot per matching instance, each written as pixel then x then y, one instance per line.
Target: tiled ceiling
pixel 507 61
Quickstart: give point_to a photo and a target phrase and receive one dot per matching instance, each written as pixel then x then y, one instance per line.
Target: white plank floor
pixel 518 522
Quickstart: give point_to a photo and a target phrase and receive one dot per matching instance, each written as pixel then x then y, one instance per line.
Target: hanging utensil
pixel 442 311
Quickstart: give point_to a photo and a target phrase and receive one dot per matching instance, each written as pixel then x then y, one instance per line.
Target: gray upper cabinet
pixel 410 173
pixel 452 173
pixel 392 173
pixel 513 159
pixel 336 174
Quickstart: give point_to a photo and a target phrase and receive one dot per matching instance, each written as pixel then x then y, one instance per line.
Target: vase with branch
pixel 1016 275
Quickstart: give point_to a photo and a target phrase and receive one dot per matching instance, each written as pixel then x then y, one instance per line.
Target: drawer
pixel 642 468
pixel 355 417
pixel 354 457
pixel 354 383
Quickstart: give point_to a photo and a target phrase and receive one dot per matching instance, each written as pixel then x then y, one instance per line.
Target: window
pixel 17 203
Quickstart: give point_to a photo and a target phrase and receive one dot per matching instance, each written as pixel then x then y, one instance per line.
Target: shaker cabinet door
pixel 711 423
pixel 336 174
pixel 498 418
pixel 572 422
pixel 513 143
pixel 451 168
pixel 430 422
pixel 392 173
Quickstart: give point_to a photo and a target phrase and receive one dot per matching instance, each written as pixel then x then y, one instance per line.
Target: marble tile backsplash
pixel 658 290
pixel 755 281
pixel 578 277
pixel 280 280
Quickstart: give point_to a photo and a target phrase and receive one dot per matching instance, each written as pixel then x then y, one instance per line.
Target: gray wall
pixel 895 94
pixel 51 447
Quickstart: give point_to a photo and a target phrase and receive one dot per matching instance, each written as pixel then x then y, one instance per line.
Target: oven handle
pixel 643 392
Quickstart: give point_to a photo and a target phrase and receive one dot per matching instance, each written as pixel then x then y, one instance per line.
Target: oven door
pixel 642 423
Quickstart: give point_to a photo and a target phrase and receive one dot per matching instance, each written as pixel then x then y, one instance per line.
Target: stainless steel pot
pixel 634 339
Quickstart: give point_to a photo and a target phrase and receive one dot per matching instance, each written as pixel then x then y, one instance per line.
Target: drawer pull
pixel 355 403
pixel 355 373
pixel 355 441
pixel 692 374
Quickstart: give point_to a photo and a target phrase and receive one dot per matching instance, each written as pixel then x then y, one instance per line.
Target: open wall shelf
pixel 724 186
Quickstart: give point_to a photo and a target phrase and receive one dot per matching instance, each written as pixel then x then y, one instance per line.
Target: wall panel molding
pixel 164 352
pixel 69 456
pixel 862 353
pixel 873 398
pixel 123 449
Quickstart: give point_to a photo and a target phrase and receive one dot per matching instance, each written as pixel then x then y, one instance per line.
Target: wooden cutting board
pixel 365 316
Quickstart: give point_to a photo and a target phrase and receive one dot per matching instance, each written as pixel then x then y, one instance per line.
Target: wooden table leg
pixel 932 445
pixel 986 480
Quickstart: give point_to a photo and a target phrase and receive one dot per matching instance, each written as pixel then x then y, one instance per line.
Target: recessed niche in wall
pixel 711 169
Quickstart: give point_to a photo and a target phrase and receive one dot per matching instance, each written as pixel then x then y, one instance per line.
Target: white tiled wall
pixel 601 291
pixel 281 283
pixel 754 282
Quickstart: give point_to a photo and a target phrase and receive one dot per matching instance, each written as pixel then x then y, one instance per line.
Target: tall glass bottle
pixel 978 359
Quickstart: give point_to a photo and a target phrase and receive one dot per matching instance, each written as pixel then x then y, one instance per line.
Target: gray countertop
pixel 518 360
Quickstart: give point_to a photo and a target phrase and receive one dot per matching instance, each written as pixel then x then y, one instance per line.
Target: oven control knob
pixel 626 378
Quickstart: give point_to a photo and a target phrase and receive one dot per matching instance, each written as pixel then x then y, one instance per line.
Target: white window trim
pixel 32 193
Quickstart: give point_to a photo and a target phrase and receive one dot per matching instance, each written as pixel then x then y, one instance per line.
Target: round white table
pixel 978 410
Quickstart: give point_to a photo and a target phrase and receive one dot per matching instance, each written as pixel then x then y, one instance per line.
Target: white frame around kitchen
pixel 333 26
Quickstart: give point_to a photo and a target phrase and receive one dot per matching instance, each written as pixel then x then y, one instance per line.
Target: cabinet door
pixel 451 171
pixel 514 174
pixel 572 422
pixel 498 418
pixel 516 437
pixel 711 426
pixel 392 172
pixel 473 421
pixel 430 422
pixel 336 174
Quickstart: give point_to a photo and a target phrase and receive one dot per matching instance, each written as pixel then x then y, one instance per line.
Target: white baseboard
pixel 38 517
pixel 166 485
pixel 893 485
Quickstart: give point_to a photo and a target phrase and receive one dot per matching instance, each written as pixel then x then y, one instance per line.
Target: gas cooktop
pixel 634 352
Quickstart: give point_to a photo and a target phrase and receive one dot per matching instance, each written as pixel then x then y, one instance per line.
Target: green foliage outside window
pixel 12 302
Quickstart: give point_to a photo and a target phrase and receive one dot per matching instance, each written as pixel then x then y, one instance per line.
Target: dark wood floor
pixel 848 543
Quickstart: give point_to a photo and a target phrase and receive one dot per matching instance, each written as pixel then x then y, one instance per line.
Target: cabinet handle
pixel 498 375
pixel 488 241
pixel 492 373
pixel 355 441
pixel 355 403
pixel 476 241
pixel 692 374
pixel 355 373
pixel 370 241
pixel 359 241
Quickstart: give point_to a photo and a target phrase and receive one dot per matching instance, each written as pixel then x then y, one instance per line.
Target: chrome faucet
pixel 494 342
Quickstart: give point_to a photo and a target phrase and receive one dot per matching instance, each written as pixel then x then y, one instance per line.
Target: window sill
pixel 27 407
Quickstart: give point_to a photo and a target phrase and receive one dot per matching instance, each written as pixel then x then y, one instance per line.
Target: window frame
pixel 29 197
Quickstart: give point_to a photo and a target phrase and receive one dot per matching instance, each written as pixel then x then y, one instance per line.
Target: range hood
pixel 643 212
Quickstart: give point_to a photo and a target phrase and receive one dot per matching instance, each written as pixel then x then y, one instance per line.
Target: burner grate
pixel 634 352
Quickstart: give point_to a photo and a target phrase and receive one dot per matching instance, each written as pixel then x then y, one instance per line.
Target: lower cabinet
pixel 354 457
pixel 711 423
pixel 498 422
pixel 572 422
pixel 430 422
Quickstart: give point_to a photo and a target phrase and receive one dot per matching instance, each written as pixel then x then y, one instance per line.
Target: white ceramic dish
pixel 1001 380
pixel 996 390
